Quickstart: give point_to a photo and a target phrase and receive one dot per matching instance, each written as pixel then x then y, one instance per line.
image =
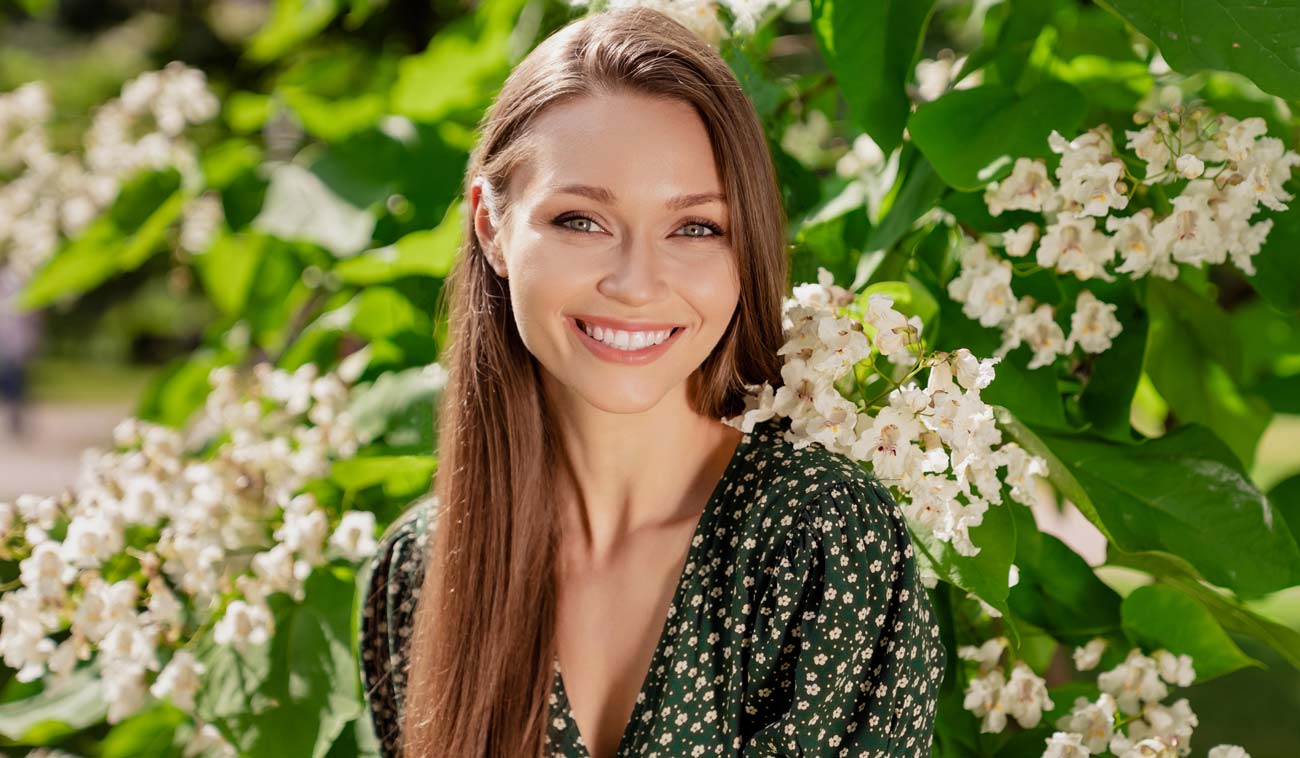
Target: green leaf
pixel 871 47
pixel 119 240
pixel 463 64
pixel 292 23
pixel 227 269
pixel 423 253
pixel 1160 616
pixel 1197 371
pixel 399 406
pixel 400 474
pixel 294 695
pixel 1258 40
pixel 1058 591
pixel 179 390
pixel 80 265
pixel 383 311
pixel 985 574
pixel 332 119
pixel 1277 267
pixel 972 136
pixel 921 189
pixel 301 205
pixel 150 732
pixel 59 710
pixel 1184 494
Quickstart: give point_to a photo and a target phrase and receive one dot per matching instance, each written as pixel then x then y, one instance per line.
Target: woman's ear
pixel 481 205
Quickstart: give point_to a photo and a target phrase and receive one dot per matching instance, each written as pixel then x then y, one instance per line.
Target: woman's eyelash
pixel 717 230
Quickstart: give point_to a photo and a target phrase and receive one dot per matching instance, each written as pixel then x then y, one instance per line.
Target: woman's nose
pixel 637 276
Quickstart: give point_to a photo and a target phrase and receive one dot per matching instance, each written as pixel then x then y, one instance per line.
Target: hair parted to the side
pixel 483 642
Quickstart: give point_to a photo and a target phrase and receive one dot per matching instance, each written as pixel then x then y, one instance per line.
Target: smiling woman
pixel 703 591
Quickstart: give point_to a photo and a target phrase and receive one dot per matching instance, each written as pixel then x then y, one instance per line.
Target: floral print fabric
pixel 799 626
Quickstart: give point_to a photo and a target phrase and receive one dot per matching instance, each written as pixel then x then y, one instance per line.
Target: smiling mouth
pixel 627 353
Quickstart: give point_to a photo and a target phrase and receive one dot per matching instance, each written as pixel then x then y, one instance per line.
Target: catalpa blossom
pixel 938 445
pixel 224 499
pixel 1027 188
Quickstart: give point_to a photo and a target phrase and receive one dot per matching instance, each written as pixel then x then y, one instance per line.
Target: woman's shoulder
pixel 790 474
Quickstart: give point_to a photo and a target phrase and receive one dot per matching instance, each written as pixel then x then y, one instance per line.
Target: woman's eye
pixel 583 224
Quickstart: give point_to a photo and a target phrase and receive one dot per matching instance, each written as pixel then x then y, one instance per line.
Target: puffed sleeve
pixel 845 645
pixel 389 583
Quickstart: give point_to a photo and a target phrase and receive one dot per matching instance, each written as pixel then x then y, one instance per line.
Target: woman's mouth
pixel 624 346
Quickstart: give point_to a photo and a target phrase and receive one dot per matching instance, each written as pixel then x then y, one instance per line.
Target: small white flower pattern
pixel 799 626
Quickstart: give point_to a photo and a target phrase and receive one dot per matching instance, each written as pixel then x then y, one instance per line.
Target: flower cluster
pixel 1216 171
pixel 1127 719
pixel 170 534
pixel 938 445
pixel 48 196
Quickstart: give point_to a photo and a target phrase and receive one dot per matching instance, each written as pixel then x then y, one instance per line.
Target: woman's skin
pixel 645 463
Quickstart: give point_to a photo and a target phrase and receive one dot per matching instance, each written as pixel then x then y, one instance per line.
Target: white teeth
pixel 623 340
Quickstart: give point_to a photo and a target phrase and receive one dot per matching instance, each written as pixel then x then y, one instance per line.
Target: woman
pixel 703 591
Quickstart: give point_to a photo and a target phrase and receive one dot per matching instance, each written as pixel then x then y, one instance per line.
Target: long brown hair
pixel 483 643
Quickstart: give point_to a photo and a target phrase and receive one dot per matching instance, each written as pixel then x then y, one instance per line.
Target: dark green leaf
pixel 872 47
pixel 971 136
pixel 1159 616
pixel 1258 39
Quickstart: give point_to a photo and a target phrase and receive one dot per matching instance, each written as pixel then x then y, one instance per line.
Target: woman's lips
pixel 626 357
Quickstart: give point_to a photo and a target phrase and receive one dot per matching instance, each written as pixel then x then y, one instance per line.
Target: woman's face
pixel 618 223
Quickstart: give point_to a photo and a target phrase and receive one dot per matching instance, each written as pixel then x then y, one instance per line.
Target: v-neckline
pixel 697 545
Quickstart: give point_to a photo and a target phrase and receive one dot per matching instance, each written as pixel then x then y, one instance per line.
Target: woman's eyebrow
pixel 604 195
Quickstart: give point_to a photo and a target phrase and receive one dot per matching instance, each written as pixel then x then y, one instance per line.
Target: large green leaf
pixel 1160 616
pixel 1197 371
pixel 1058 591
pixel 459 69
pixel 871 47
pixel 1184 494
pixel 972 136
pixel 1258 39
pixel 294 695
pixel 59 710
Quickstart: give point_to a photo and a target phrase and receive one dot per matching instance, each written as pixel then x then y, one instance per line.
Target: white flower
pixel 354 538
pixel 1027 188
pixel 1190 233
pixel 1189 166
pixel 1139 254
pixel 1065 745
pixel 896 335
pixel 1133 682
pixel 987 655
pixel 1228 751
pixel 179 680
pixel 983 698
pixel 244 625
pixel 864 156
pixel 1093 324
pixel 1094 722
pixel 1175 669
pixel 1072 244
pixel 1018 241
pixel 1088 656
pixel 1035 325
pixel 1025 696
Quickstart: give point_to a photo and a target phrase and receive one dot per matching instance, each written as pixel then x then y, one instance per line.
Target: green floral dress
pixel 799 626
